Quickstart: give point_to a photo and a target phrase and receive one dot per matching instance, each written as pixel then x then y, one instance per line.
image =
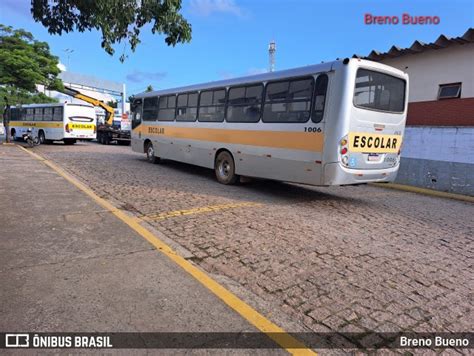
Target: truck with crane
pixel 107 131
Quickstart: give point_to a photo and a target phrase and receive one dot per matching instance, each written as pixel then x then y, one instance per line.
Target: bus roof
pixel 45 105
pixel 287 73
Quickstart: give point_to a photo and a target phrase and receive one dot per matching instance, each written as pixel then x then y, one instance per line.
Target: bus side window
pixel 58 113
pixel 288 101
pixel 14 114
pixel 186 109
pixel 320 97
pixel 166 108
pixel 212 105
pixel 150 109
pixel 245 103
pixel 29 114
pixel 48 114
pixel 38 114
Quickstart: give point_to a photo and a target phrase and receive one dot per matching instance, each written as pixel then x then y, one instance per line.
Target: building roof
pixel 84 81
pixel 417 47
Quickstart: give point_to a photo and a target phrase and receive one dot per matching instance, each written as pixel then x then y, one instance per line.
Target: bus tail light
pixel 343 150
pixel 67 128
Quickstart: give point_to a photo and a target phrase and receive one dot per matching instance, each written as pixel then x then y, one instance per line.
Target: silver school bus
pixel 335 123
pixel 66 122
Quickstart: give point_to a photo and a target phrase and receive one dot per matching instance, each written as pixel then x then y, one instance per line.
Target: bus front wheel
pixel 150 153
pixel 225 168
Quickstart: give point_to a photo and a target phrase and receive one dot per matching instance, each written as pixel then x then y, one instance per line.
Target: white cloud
pixel 208 7
pixel 61 67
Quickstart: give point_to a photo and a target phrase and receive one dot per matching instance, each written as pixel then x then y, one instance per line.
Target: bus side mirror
pixel 136 112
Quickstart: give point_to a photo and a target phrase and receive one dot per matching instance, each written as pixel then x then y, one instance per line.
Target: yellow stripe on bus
pixel 306 141
pixel 37 124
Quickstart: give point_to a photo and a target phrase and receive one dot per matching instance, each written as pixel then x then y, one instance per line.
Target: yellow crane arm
pixel 109 111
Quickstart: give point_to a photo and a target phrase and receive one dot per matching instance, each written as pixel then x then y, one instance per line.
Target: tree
pixel 112 104
pixel 149 88
pixel 25 63
pixel 117 20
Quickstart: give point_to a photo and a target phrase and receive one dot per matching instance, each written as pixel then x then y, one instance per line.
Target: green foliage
pixel 149 88
pixel 112 104
pixel 117 20
pixel 25 62
pixel 17 96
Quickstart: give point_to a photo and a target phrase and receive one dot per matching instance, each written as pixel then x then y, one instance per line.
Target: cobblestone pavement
pixel 341 258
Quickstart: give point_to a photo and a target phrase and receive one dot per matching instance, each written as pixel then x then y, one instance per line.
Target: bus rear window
pixel 379 91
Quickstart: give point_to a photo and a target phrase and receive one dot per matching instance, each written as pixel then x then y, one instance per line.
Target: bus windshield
pixel 379 91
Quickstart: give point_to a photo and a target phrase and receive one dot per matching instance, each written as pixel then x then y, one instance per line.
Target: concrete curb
pixel 424 191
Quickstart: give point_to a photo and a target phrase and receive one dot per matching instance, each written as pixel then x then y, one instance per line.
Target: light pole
pixel 68 52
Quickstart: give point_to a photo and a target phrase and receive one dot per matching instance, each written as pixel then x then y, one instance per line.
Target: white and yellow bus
pixel 334 123
pixel 67 122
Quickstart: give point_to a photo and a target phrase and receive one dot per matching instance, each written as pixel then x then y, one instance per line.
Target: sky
pixel 230 38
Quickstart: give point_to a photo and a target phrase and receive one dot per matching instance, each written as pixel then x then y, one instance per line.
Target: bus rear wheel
pixel 41 137
pixel 225 168
pixel 150 154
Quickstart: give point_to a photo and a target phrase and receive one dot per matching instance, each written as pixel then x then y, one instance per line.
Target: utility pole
pixel 271 56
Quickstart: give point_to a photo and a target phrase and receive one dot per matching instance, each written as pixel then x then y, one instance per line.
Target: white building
pixel 438 151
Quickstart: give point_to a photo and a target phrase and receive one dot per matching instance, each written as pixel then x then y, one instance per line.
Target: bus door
pixel 136 135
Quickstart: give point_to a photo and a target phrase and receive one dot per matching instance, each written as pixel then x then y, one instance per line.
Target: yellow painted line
pixel 276 333
pixel 435 193
pixel 199 210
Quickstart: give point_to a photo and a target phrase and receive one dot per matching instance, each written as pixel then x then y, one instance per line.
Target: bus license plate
pixel 374 157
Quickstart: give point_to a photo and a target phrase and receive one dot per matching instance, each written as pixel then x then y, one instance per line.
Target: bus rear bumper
pixel 335 174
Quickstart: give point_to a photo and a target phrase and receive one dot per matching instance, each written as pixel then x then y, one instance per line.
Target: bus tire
pixel 41 137
pixel 150 154
pixel 224 167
